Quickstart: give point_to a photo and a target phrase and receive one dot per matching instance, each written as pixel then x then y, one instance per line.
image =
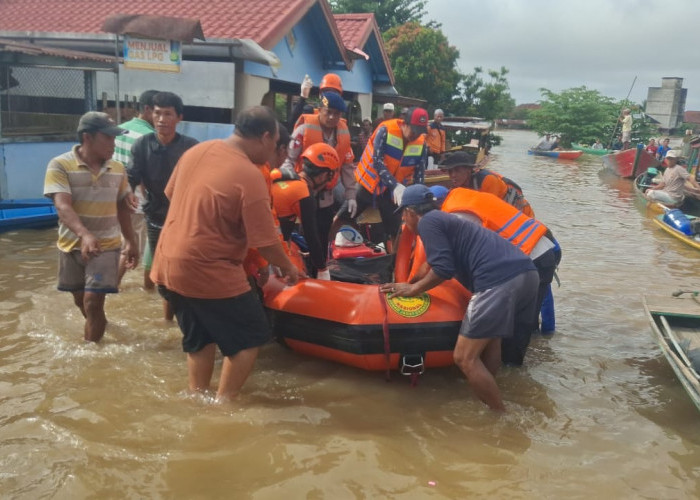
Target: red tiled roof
pixel 354 29
pixel 691 117
pixel 264 21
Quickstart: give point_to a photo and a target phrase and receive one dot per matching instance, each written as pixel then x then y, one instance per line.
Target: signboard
pixel 152 54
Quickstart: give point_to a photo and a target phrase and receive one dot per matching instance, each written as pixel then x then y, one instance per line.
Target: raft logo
pixel 410 307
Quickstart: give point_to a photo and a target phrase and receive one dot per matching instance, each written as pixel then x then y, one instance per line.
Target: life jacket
pixel 522 231
pixel 513 193
pixel 286 195
pixel 436 138
pixel 399 159
pixel 313 133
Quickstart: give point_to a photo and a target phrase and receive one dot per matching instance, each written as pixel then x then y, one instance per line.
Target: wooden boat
pixel 591 151
pixel 355 324
pixel 690 205
pixel 563 154
pixel 675 322
pixel 664 223
pixel 629 162
pixel 27 214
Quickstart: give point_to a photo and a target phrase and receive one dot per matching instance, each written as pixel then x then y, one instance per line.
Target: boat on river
pixel 679 225
pixel 349 321
pixel 27 214
pixel 591 151
pixel 563 154
pixel 675 322
pixel 629 162
pixel 690 204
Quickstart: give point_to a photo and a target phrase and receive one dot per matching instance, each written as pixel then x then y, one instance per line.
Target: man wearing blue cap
pixel 502 279
pixel 327 127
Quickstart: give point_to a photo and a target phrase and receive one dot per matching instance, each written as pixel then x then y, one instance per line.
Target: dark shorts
pixel 99 274
pixel 499 311
pixel 234 324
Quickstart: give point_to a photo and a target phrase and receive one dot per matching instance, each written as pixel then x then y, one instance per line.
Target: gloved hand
pixel 323 274
pixel 352 208
pixel 398 194
pixel 306 85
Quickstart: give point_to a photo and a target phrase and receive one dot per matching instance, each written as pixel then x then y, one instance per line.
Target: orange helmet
pixel 321 155
pixel 331 81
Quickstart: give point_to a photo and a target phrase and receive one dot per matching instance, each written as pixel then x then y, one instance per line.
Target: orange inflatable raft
pixel 357 325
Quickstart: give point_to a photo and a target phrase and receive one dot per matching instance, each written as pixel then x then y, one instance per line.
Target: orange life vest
pixel 313 133
pixel 436 139
pixel 503 188
pixel 399 159
pixel 286 196
pixel 495 214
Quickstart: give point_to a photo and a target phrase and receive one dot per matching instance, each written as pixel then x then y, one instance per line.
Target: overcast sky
pixel 602 44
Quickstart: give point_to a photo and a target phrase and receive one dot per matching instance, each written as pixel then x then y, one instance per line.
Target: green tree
pixel 583 115
pixel 477 96
pixel 388 13
pixel 424 63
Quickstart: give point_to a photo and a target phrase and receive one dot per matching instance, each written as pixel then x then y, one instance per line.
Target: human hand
pixel 397 289
pixel 352 208
pixel 398 194
pixel 323 274
pixel 131 254
pixel 132 202
pixel 262 276
pixel 89 246
pixel 292 275
pixel 306 85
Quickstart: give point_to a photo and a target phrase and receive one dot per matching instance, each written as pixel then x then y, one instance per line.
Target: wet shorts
pixel 98 274
pixel 234 324
pixel 497 312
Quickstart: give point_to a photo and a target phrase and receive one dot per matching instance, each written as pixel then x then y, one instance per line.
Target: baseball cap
pixel 417 118
pixel 415 194
pixel 95 121
pixel 672 154
pixel 332 100
pixel 388 106
pixel 457 159
pixel 440 192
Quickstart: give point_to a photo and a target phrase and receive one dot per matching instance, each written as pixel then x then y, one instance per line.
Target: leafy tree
pixel 424 63
pixel 488 99
pixel 388 13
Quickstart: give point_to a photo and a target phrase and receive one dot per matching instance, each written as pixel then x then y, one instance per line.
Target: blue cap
pixel 416 194
pixel 332 100
pixel 440 192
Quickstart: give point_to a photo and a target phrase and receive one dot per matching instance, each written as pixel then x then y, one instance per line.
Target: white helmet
pixel 348 236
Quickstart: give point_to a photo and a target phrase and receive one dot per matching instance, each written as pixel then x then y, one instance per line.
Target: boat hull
pixel 688 240
pixel 621 163
pixel 27 214
pixel 675 323
pixel 563 154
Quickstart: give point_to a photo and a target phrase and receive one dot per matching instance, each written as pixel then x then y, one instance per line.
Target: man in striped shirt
pixel 136 127
pixel 92 197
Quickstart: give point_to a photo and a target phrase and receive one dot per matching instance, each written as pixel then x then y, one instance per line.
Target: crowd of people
pixel 221 214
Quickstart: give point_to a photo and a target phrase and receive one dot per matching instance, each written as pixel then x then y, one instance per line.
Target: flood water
pixel 596 412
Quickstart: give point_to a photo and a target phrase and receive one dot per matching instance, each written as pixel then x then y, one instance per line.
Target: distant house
pixel 692 118
pixel 251 54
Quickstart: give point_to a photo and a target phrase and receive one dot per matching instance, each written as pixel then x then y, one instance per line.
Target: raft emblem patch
pixel 410 307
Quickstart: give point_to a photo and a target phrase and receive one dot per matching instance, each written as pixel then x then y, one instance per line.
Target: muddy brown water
pixel 595 413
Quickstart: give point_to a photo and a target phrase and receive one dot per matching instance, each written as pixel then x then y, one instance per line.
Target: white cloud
pixel 561 44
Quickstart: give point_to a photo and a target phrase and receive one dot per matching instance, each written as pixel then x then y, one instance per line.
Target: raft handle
pixel 412 364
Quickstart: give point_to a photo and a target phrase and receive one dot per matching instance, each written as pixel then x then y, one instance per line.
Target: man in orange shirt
pixel 219 207
pixel 461 169
pixel 436 135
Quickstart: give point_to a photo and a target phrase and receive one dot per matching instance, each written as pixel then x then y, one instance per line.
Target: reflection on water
pixel 595 409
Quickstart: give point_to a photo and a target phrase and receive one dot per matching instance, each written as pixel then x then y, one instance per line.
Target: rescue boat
pixel 357 325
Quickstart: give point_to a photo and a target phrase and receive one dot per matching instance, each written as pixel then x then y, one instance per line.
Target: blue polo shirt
pixel 477 257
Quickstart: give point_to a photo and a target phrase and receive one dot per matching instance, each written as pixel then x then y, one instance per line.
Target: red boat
pixel 630 162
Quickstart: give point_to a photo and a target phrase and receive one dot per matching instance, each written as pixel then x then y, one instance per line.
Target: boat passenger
pixel 651 147
pixel 671 188
pixel 626 121
pixel 663 149
pixel 503 281
pixel 545 144
pixel 436 135
pixel 295 201
pixel 597 144
pixel 461 169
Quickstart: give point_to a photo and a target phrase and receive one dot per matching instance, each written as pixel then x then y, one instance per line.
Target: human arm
pixel 419 169
pixel 379 144
pixel 131 248
pixel 296 142
pixel 276 256
pixel 317 249
pixel 430 280
pixel 137 164
pixel 89 244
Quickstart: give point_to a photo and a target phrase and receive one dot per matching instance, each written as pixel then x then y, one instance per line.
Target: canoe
pixel 663 222
pixel 591 151
pixel 690 205
pixel 622 163
pixel 344 321
pixel 675 323
pixel 26 214
pixel 564 154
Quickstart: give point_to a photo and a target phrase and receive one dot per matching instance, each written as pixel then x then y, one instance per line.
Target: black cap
pixel 95 121
pixel 457 159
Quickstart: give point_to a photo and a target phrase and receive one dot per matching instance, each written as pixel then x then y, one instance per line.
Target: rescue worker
pixel 294 199
pixel 325 127
pixel 436 135
pixel 526 233
pixel 396 155
pixel 329 83
pixel 461 169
